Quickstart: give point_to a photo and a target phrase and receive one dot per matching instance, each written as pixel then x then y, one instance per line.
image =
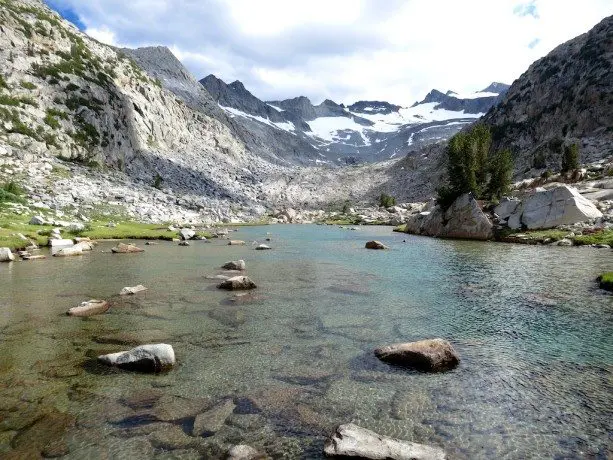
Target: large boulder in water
pixel 6 255
pixel 562 205
pixel 89 308
pixel 375 245
pixel 352 441
pixel 237 283
pixel 433 355
pixel 146 358
pixel 123 248
pixel 234 265
pixel 464 219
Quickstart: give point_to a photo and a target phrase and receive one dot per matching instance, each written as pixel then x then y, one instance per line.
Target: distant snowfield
pixel 327 128
pixel 285 126
pixel 473 95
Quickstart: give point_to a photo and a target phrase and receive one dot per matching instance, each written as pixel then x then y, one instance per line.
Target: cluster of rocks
pixel 556 207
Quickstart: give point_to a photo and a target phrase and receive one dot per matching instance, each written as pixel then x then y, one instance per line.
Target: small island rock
pixel 146 358
pixel 234 265
pixel 375 245
pixel 123 248
pixel 237 283
pixel 6 255
pixel 129 290
pixel 433 355
pixel 90 308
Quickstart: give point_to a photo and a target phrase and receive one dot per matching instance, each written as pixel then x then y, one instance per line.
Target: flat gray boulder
pixel 237 283
pixel 234 265
pixel 244 452
pixel 38 220
pixel 432 355
pixel 123 248
pixel 146 358
pixel 353 441
pixel 69 252
pixel 562 205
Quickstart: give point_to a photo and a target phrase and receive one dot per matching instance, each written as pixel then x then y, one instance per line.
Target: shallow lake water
pixel 295 357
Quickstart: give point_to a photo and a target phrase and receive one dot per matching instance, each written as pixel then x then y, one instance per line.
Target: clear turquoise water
pixel 534 333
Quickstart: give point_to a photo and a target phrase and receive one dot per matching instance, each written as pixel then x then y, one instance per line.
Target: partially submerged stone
pixel 236 243
pixel 353 441
pixel 61 243
pixel 84 245
pixel 6 255
pixel 234 265
pixel 145 358
pixel 432 355
pixel 605 281
pixel 183 243
pixel 374 244
pixel 262 247
pixel 129 290
pixel 90 308
pixel 123 248
pixel 69 252
pixel 237 283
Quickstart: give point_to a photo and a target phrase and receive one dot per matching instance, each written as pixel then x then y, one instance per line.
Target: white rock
pixel 129 290
pixel 550 208
pixel 353 441
pixel 6 255
pixel 61 243
pixel 187 233
pixel 146 358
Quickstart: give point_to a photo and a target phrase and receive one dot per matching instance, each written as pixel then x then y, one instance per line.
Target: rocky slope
pixel 564 98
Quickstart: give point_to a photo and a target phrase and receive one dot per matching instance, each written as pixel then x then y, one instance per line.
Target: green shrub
pixel 386 200
pixel 28 85
pixel 157 181
pixel 57 113
pixel 606 281
pixel 472 167
pixel 3 83
pixel 12 192
pixel 5 99
pixel 570 158
pixel 51 121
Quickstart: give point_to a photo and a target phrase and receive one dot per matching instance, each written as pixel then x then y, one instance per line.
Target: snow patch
pixel 285 126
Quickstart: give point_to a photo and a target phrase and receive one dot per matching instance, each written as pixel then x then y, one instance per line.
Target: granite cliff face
pixel 564 98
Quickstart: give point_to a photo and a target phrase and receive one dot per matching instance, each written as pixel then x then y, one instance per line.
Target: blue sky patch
pixel 66 12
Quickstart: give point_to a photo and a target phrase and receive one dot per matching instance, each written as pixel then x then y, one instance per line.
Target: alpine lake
pixel 289 361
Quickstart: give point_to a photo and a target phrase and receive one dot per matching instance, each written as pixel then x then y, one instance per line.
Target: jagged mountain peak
pixel 496 87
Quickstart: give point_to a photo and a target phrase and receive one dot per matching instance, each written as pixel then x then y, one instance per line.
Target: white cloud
pixel 346 50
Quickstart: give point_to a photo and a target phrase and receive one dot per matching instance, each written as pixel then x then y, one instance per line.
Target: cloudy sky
pixel 345 50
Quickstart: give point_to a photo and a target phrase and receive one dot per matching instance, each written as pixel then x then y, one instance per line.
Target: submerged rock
pixel 183 243
pixel 123 248
pixel 236 243
pixel 237 283
pixel 234 265
pixel 213 419
pixel 374 244
pixel 6 255
pixel 244 452
pixel 90 308
pixel 353 441
pixel 146 358
pixel 129 290
pixel 433 355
